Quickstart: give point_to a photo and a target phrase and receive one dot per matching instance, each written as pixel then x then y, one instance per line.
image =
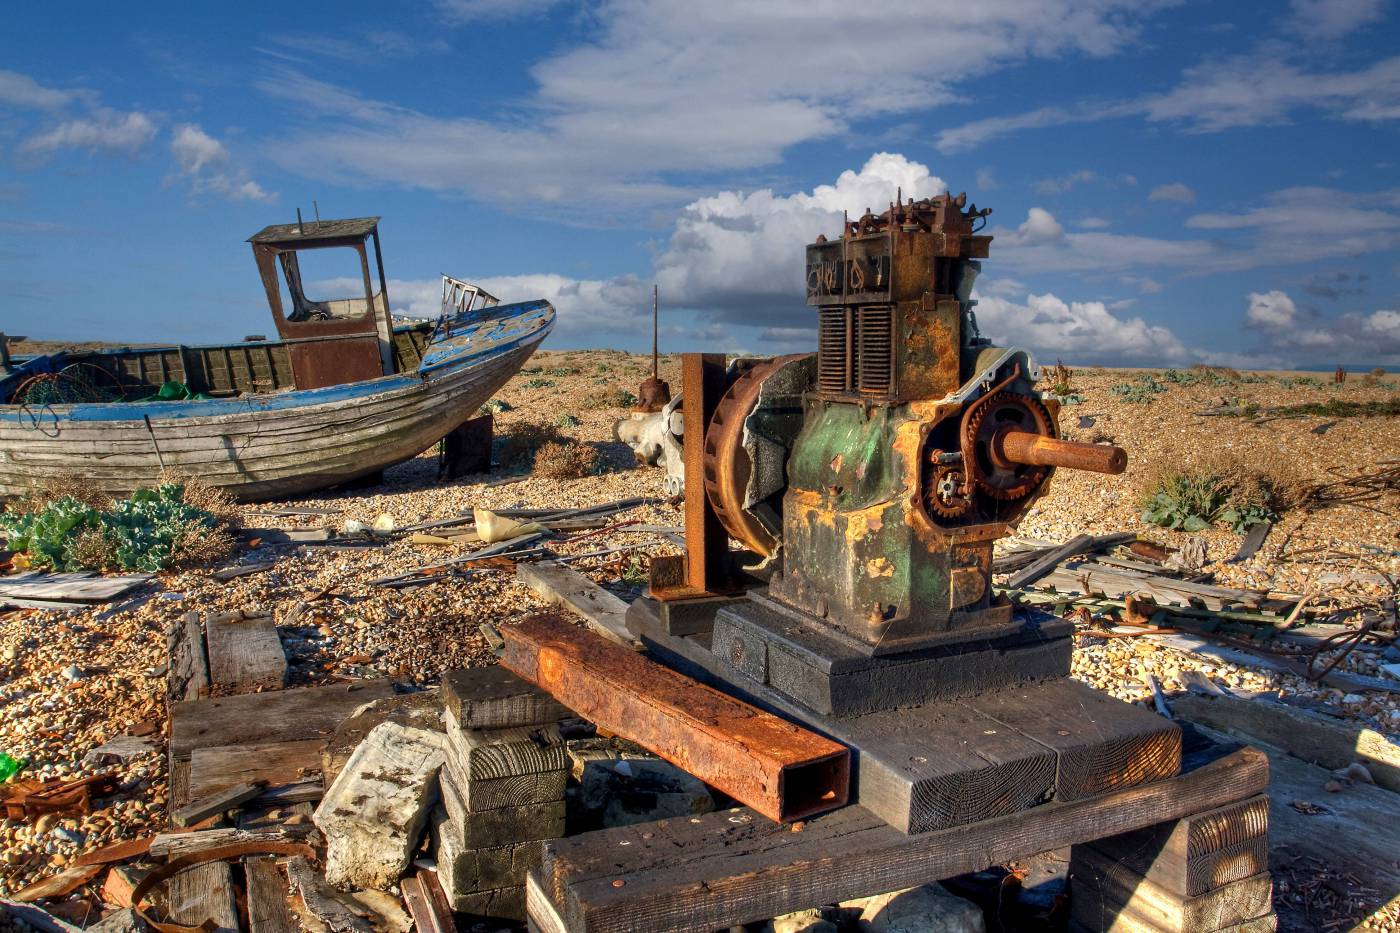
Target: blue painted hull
pixel 263 446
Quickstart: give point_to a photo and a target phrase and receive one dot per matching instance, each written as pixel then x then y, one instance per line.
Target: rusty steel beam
pixel 782 771
pixel 1039 450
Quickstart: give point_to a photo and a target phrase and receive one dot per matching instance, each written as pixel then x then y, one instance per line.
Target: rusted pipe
pixel 781 770
pixel 1038 450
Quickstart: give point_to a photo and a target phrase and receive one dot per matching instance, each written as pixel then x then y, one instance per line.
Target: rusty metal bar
pixel 781 770
pixel 1039 450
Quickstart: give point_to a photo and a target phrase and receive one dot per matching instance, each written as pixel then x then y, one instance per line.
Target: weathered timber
pixel 682 616
pixel 78 587
pixel 1252 542
pixel 1108 896
pixel 540 912
pixel 1101 744
pixel 464 869
pixel 494 698
pixel 334 911
pixel 488 829
pixel 773 645
pixel 422 710
pixel 177 844
pixel 62 882
pixel 225 574
pixel 281 715
pixel 268 911
pixel 187 676
pixel 374 813
pixel 205 806
pixel 273 764
pixel 716 870
pixel 204 892
pixel 1201 852
pixel 1302 733
pixel 245 653
pixel 1048 561
pixel 496 753
pixel 461 794
pixel 783 771
pixel 561 585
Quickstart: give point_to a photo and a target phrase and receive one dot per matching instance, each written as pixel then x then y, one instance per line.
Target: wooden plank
pixel 323 904
pixel 462 795
pixel 497 753
pixel 493 698
pixel 242 570
pixel 1252 542
pixel 268 911
pixel 1199 853
pixel 540 911
pixel 560 585
pixel 1047 562
pixel 1101 744
pixel 173 845
pixel 1108 896
pixel 203 893
pixel 286 715
pixel 721 869
pixel 422 710
pixel 269 763
pixel 57 885
pixel 205 806
pixel 245 653
pixel 1302 733
pixel 1195 644
pixel 422 908
pixel 187 676
pixel 70 587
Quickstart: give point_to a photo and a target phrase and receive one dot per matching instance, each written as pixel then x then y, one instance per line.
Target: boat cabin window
pixel 325 284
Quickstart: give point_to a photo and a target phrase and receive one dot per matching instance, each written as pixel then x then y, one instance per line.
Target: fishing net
pixel 72 385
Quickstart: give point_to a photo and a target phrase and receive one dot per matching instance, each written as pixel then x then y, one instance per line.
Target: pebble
pixel 72 673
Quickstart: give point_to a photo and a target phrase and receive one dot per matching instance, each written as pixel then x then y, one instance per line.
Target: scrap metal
pixel 779 769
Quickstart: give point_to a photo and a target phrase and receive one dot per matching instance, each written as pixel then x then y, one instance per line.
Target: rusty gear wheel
pixel 943 493
pixel 1006 411
pixel 728 466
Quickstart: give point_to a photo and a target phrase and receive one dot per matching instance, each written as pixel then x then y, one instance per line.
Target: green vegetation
pixel 539 383
pixel 1332 408
pixel 153 530
pixel 567 421
pixel 1141 391
pixel 1220 490
pixel 610 398
pixel 494 407
pixel 566 459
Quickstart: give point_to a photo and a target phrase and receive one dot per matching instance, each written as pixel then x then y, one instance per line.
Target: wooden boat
pixel 344 392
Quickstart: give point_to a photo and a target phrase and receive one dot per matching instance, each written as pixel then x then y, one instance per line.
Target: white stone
pixel 928 909
pixel 374 813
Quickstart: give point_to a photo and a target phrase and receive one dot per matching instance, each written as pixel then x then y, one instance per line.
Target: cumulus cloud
pixel 1064 183
pixel 1039 227
pixel 207 164
pixel 1176 192
pixel 1351 337
pixel 103 130
pixel 734 252
pixel 1051 326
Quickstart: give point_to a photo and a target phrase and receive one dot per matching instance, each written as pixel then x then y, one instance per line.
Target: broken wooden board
pixel 204 806
pixel 271 763
pixel 1302 733
pixel 204 892
pixel 328 907
pixel 281 715
pixel 176 844
pixel 720 869
pixel 492 697
pixel 375 812
pixel 268 911
pixel 82 587
pixel 187 674
pixel 560 585
pixel 245 653
pixel 225 574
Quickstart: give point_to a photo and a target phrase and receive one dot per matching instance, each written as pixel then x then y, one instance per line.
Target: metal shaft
pixel 1039 450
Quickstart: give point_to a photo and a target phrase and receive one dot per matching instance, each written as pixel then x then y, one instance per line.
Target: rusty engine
pixel 884 467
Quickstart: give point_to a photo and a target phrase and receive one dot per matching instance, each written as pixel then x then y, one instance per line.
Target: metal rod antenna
pixel 317 208
pixel 655 369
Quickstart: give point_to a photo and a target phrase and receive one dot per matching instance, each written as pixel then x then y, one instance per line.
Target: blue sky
pixel 1173 181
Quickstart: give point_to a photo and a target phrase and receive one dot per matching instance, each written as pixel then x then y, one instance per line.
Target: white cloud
pixel 1093 223
pixel 465 11
pixel 734 252
pixel 1176 192
pixel 1041 244
pixel 1064 183
pixel 1039 227
pixel 103 130
pixel 986 180
pixel 1332 19
pixel 663 87
pixel 1345 338
pixel 1051 326
pixel 18 90
pixel 206 163
pixel 1272 310
pixel 1246 90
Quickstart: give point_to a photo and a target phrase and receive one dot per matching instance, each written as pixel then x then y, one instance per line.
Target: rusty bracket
pixel 779 769
pixel 707 569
